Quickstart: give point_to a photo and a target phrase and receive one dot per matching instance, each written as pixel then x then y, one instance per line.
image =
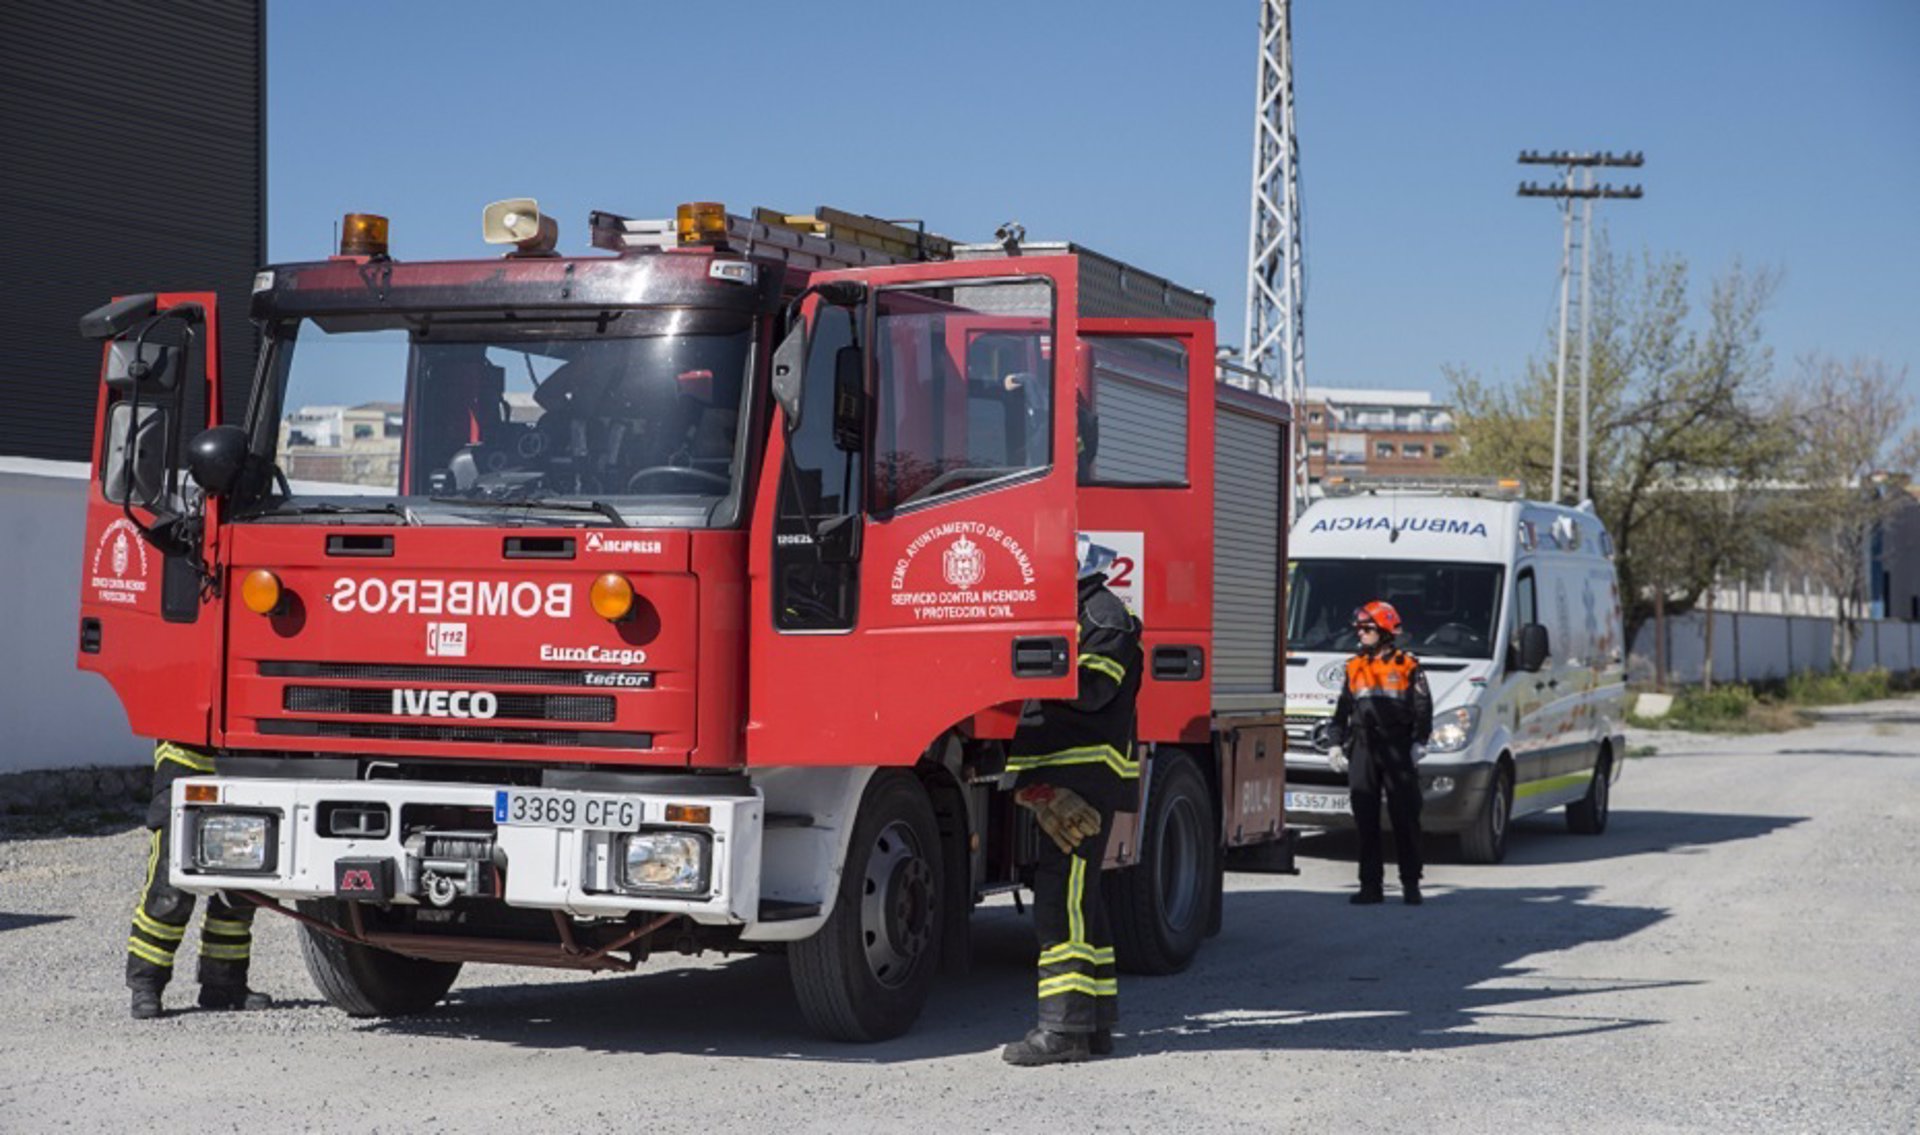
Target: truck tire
pixel 865 975
pixel 1588 815
pixel 362 981
pixel 1486 840
pixel 1161 907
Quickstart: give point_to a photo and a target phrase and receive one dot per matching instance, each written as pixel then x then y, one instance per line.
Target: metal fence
pixel 1750 647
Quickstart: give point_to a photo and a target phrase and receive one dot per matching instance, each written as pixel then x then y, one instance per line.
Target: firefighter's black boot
pixel 233 997
pixel 1044 1046
pixel 1368 896
pixel 1410 893
pixel 1100 1042
pixel 146 1002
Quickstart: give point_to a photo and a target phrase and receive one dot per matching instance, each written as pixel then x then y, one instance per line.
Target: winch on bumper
pixel 589 853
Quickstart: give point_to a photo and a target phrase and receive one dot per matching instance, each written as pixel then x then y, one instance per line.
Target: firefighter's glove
pixel 1337 759
pixel 1062 814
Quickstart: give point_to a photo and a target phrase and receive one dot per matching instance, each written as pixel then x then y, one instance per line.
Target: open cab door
pixel 146 566
pixel 913 543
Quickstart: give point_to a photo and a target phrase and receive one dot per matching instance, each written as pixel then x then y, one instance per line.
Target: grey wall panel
pixel 1143 432
pixel 1246 538
pixel 136 142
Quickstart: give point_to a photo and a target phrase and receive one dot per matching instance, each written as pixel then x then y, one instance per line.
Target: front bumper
pixel 571 869
pixel 1313 803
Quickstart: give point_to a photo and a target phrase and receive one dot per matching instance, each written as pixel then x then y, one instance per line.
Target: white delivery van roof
pixel 1443 527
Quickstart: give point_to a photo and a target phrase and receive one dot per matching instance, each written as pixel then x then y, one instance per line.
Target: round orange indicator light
pixel 612 597
pixel 260 591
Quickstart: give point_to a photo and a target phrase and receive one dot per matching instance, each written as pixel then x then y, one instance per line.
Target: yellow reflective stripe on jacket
pixel 1077 952
pixel 1083 755
pixel 1079 983
pixel 147 924
pixel 181 755
pixel 1101 664
pixel 225 926
pixel 223 952
pixel 148 952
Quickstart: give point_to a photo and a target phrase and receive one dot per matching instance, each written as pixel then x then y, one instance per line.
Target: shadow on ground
pixel 1544 839
pixel 1293 969
pixel 24 921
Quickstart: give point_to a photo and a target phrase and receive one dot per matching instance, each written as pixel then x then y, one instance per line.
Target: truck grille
pixel 425 675
pixel 522 707
pixel 468 734
pixel 1305 732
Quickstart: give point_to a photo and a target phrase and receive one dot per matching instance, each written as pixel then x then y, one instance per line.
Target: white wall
pixel 1770 646
pixel 52 715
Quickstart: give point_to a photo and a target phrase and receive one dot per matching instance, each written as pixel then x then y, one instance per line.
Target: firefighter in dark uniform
pixel 1379 731
pixel 1076 769
pixel 160 918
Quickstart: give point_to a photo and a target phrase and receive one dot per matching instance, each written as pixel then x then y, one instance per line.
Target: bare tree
pixel 1684 427
pixel 1855 457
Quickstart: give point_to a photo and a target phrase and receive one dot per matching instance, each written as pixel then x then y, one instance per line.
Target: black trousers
pixel 1078 992
pixel 160 918
pixel 1401 788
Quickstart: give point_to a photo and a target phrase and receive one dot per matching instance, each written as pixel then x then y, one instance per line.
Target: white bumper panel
pixel 569 869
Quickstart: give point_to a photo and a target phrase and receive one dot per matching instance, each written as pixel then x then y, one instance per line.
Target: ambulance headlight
pixel 233 842
pixel 1453 730
pixel 664 861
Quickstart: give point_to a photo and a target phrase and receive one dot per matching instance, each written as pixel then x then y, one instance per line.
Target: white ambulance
pixel 1513 608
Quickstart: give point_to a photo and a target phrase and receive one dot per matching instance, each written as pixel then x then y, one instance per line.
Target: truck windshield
pixel 637 409
pixel 1448 610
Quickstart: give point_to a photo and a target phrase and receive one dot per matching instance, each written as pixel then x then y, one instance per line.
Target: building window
pixel 1413 449
pixel 1314 416
pixel 1383 449
pixel 1440 452
pixel 1316 449
pixel 362 431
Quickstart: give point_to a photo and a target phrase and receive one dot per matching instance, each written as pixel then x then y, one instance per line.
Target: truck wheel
pixel 1486 840
pixel 865 975
pixel 1588 815
pixel 1160 907
pixel 366 982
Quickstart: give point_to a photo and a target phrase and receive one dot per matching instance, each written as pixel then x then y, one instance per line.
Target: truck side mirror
pixel 119 317
pixel 849 400
pixel 789 374
pixel 1533 647
pixel 215 458
pixel 134 469
pixel 147 365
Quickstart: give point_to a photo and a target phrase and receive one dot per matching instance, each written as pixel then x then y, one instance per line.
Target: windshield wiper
pixel 530 503
pixel 333 508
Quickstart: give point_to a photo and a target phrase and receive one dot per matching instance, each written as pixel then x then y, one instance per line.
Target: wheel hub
pixel 897 903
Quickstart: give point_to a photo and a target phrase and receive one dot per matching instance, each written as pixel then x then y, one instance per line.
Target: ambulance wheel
pixel 1486 840
pixel 1161 907
pixel 1588 815
pixel 865 975
pixel 362 981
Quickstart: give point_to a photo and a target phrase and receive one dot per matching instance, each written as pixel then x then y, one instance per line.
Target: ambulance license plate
pixel 1316 801
pixel 538 808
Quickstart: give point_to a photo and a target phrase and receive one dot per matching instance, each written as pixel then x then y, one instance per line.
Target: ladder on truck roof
pixel 826 238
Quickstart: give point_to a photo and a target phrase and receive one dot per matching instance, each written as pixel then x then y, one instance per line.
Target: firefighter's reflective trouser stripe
pixel 1107 755
pixel 1078 993
pixel 160 918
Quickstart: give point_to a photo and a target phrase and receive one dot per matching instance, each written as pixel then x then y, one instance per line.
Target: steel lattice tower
pixel 1276 309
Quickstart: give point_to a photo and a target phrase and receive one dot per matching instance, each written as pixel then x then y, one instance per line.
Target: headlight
pixel 1453 729
pixel 665 861
pixel 228 841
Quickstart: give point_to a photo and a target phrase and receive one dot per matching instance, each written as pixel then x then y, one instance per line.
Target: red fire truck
pixel 555 610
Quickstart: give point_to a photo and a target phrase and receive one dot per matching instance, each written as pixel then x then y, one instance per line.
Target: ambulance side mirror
pixel 1533 647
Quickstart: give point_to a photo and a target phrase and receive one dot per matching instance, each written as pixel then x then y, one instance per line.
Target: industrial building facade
pixel 135 160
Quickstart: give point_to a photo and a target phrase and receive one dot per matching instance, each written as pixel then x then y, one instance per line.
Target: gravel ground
pixel 1739 952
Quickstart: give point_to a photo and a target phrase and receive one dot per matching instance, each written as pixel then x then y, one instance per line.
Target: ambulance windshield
pixel 638 409
pixel 1448 610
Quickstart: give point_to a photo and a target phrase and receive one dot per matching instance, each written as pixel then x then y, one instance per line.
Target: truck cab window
pixel 820 484
pixel 963 385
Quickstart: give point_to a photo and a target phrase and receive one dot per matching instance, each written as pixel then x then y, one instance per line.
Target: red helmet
pixel 1378 613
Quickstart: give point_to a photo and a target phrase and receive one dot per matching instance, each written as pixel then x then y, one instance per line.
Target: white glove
pixel 1337 759
pixel 1419 753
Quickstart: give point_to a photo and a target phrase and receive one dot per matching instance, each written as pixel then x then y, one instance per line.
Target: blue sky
pixel 1776 134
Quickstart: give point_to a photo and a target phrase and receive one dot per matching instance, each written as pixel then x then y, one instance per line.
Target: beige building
pixel 1376 433
pixel 352 445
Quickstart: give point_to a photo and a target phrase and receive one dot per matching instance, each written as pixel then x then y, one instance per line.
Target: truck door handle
pixel 1178 664
pixel 1040 657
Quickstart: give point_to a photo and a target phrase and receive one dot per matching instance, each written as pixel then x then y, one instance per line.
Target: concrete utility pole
pixel 1276 340
pixel 1585 191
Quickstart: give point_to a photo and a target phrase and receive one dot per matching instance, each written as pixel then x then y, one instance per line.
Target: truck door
pixel 146 621
pixel 914 540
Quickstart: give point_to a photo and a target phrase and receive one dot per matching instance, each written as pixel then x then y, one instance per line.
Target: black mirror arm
pixel 163 533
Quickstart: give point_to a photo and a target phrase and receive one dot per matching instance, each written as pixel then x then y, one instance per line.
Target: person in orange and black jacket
pixel 1379 731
